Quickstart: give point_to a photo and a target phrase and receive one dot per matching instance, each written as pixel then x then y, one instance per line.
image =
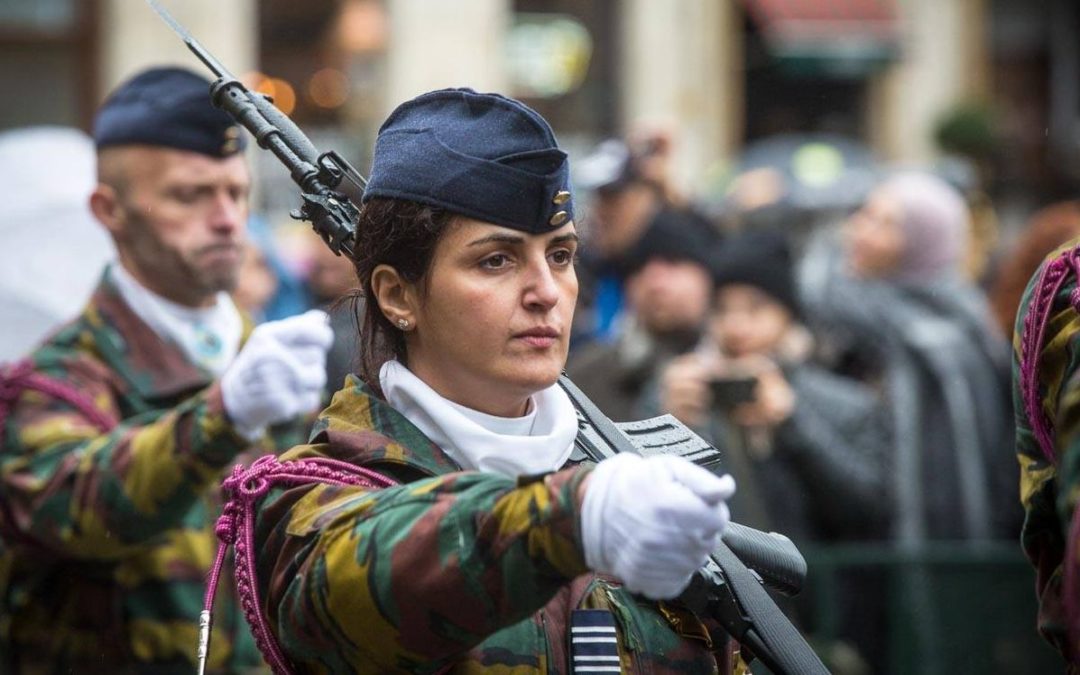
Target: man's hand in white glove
pixel 652 522
pixel 280 373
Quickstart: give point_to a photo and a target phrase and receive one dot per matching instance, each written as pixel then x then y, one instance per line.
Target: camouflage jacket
pixel 109 535
pixel 1049 486
pixel 449 571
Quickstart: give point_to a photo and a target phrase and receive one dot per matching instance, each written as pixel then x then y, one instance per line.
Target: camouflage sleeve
pixel 1066 497
pixel 1048 490
pixel 1068 451
pixel 84 494
pixel 413 575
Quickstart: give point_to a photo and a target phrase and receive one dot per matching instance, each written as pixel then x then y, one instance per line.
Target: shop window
pixel 47 62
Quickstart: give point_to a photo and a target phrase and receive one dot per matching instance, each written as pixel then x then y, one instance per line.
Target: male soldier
pixel 108 472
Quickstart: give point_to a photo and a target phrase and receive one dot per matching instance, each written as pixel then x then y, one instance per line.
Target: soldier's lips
pixel 538 341
pixel 220 253
pixel 541 338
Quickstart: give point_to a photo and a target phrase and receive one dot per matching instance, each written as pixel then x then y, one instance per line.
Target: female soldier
pixel 484 555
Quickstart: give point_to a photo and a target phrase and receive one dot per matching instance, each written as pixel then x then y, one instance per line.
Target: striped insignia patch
pixel 594 644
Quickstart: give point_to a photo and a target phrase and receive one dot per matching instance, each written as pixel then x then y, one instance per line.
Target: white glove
pixel 279 374
pixel 652 522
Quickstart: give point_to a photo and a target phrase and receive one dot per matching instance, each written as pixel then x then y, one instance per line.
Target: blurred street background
pixel 778 114
pixel 911 79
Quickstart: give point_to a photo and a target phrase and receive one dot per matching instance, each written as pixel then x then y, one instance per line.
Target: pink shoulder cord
pixel 245 489
pixel 1050 282
pixel 1052 278
pixel 15 378
pixel 20 376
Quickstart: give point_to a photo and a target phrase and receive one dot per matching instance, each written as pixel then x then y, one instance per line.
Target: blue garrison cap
pixel 484 156
pixel 167 107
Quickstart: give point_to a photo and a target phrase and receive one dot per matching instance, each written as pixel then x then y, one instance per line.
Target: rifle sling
pixel 600 422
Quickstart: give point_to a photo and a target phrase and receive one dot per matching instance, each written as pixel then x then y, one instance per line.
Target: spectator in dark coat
pixel 809 446
pixel 668 287
pixel 899 315
pixel 629 194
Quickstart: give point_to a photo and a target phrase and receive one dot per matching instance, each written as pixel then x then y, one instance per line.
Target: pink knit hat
pixel 935 222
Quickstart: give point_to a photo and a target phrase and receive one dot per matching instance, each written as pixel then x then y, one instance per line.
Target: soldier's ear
pixel 397 298
pixel 106 207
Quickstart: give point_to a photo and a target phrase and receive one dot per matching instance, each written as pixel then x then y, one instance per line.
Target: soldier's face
pixel 492 322
pixel 181 220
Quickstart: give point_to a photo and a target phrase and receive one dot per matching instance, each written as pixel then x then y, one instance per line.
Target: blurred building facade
pixel 721 72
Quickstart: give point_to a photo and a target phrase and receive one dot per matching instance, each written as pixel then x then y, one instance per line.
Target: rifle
pixel 331 212
pixel 730 586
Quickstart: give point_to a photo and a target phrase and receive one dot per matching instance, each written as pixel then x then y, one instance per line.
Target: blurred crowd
pixel 843 350
pixel 842 354
pixel 848 350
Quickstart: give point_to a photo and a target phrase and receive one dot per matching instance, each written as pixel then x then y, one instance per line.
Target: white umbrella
pixel 52 250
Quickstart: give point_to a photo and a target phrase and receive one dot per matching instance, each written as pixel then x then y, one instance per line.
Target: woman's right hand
pixel 684 389
pixel 652 522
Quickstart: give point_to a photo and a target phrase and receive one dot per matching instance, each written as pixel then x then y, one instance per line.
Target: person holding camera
pixel 807 447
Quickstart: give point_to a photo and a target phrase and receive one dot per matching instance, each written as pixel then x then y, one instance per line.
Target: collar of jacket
pixel 360 428
pixel 153 366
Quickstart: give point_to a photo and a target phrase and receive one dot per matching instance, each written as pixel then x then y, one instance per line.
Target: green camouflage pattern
pixel 115 531
pixel 450 571
pixel 1049 492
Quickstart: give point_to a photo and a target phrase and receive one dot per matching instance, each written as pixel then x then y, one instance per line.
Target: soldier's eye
pixel 494 262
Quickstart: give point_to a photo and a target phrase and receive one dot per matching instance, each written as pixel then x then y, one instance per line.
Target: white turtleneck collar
pixel 209 336
pixel 537 442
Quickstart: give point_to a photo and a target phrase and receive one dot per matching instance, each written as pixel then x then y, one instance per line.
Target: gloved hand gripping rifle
pixel 729 587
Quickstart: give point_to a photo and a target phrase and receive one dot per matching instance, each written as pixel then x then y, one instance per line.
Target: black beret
pixel 673 235
pixel 483 156
pixel 167 107
pixel 760 258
